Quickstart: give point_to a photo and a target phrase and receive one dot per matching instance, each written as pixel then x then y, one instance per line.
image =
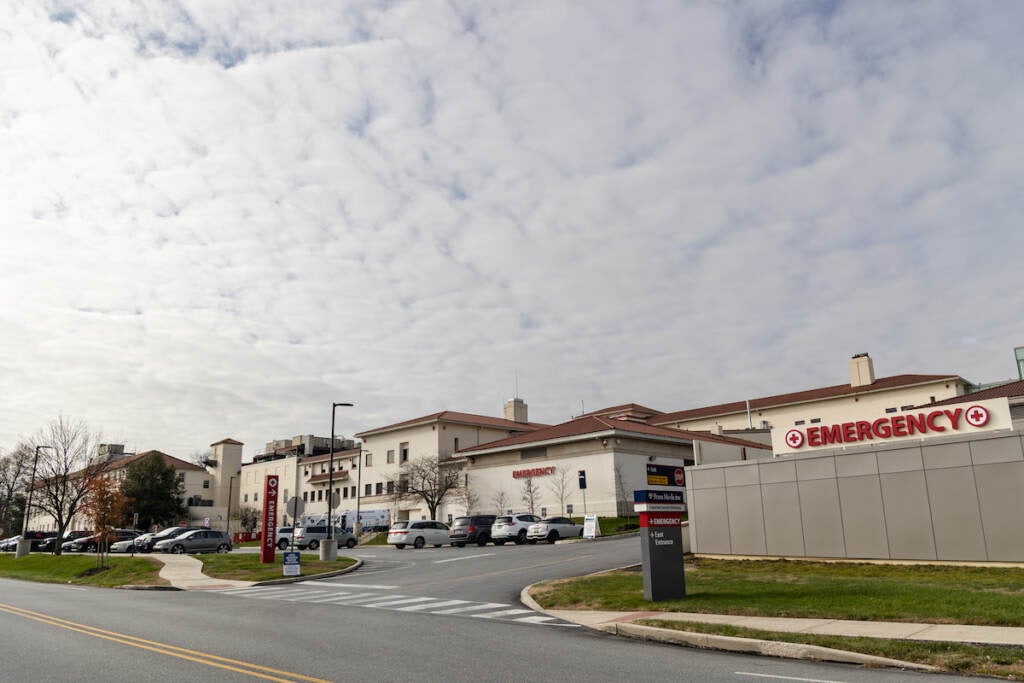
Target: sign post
pixel 661 543
pixel 267 540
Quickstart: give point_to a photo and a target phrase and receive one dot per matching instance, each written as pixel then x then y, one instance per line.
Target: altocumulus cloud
pixel 219 217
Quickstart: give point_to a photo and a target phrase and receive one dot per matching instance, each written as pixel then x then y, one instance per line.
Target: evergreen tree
pixel 152 486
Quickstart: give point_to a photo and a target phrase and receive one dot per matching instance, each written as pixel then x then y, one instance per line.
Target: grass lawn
pixel 931 594
pixel 80 569
pixel 978 660
pixel 247 567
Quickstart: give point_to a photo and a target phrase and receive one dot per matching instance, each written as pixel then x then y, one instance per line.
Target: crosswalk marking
pixel 338 595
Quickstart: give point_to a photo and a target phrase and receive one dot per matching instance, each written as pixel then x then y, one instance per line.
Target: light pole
pixel 231 481
pixel 357 525
pixel 25 544
pixel 329 550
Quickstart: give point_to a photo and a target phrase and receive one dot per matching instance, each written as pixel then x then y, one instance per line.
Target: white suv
pixel 512 528
pixel 551 529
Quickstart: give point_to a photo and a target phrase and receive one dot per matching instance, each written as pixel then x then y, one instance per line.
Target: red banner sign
pixel 655 519
pixel 267 547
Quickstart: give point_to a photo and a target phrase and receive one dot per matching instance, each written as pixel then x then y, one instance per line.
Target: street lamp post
pixel 25 544
pixel 231 481
pixel 357 526
pixel 329 549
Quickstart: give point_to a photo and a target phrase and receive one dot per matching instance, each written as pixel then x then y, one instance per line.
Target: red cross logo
pixel 977 416
pixel 795 438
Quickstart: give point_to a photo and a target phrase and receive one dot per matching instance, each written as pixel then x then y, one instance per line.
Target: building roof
pixel 461 418
pixel 227 441
pixel 836 391
pixel 176 463
pixel 630 409
pixel 1010 390
pixel 310 459
pixel 592 425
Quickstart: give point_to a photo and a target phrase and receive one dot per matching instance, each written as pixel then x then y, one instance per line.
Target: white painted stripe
pixel 443 603
pixel 540 619
pixel 352 585
pixel 356 598
pixel 786 678
pixel 480 605
pixel 502 613
pixel 464 557
pixel 397 602
pixel 309 596
pixel 279 594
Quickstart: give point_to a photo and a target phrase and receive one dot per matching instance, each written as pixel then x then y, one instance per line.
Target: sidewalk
pixel 185 572
pixel 622 624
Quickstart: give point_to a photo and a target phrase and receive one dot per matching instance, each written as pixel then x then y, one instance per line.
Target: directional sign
pixel 666 475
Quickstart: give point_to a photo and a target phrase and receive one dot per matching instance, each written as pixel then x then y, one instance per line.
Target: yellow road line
pixel 227 663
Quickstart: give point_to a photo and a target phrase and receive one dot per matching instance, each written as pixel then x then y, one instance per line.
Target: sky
pixel 217 218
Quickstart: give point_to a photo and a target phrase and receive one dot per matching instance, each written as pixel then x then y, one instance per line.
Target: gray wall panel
pixel 856 464
pixel 823 524
pixel 946 455
pixel 821 467
pixel 908 520
pixel 746 523
pixel 709 516
pixel 777 471
pixel 741 476
pixel 956 516
pixel 863 517
pixel 1001 493
pixel 701 478
pixel 899 460
pixel 992 451
pixel 783 529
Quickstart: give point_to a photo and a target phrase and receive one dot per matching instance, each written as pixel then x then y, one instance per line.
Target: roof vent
pixel 862 370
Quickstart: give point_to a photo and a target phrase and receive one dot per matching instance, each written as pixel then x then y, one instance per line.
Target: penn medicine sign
pixel 950 420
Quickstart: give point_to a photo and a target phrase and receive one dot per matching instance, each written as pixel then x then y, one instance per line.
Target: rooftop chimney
pixel 862 371
pixel 515 410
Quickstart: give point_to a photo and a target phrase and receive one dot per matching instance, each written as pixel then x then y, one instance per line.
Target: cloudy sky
pixel 216 218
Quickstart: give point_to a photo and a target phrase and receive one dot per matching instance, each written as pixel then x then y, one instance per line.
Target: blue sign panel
pixel 648 496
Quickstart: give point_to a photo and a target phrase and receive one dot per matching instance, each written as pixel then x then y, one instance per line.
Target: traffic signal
pixel 583 479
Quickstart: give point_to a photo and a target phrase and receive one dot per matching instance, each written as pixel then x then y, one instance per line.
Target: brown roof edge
pixel 229 441
pixel 454 416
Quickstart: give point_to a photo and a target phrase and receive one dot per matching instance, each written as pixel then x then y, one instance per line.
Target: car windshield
pixel 459 521
pixel 400 525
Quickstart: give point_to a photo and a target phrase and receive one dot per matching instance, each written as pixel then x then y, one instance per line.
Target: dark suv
pixel 473 529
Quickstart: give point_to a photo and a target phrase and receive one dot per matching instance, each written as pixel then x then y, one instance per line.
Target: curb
pixel 709 641
pixel 310 577
pixel 148 588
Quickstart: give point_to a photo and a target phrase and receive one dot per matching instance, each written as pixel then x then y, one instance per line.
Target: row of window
pixel 816 420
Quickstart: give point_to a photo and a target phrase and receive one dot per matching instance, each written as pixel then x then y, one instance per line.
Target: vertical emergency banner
pixel 267 537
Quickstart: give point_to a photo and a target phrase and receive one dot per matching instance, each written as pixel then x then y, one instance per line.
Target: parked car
pixel 125 546
pixel 37 537
pixel 473 529
pixel 90 544
pixel 10 544
pixel 512 528
pixel 418 533
pixel 48 545
pixel 195 541
pixel 169 532
pixel 311 536
pixel 284 536
pixel 551 529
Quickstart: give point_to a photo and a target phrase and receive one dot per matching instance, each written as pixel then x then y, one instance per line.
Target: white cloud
pixel 218 218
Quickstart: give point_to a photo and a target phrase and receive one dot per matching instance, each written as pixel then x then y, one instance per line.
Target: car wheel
pixel 499 543
pixel 178 549
pixel 553 537
pixel 350 543
pixel 419 542
pixel 223 548
pixel 282 544
pixel 581 533
pixel 399 546
pixel 482 541
pixel 521 537
pixel 313 545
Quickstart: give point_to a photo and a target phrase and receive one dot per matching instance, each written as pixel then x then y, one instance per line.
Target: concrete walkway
pixel 958 633
pixel 186 573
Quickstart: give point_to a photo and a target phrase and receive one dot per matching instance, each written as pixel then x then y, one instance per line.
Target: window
pixel 320 495
pixel 815 420
pixel 181 478
pixel 255 497
pixel 456 443
pixel 543 512
pixel 344 492
pixel 403 450
pixel 531 453
pixel 905 408
pixel 206 483
pixel 568 508
pixel 305 496
pixel 391 456
pixel 379 489
pixel 368 459
pixel 449 518
pixel 323 468
pixel 245 498
pixel 391 487
pixel 367 489
pixel 353 491
pixel 890 410
pixel 798 423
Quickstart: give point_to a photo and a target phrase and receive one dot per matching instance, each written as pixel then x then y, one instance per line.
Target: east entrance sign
pixel 661 543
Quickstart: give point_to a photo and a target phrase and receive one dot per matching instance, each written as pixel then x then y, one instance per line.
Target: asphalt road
pixel 447 614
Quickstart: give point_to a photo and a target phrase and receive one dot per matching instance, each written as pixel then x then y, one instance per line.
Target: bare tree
pixel 501 502
pixel 530 494
pixel 427 479
pixel 14 470
pixel 561 486
pixel 249 518
pixel 467 495
pixel 623 507
pixel 64 472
